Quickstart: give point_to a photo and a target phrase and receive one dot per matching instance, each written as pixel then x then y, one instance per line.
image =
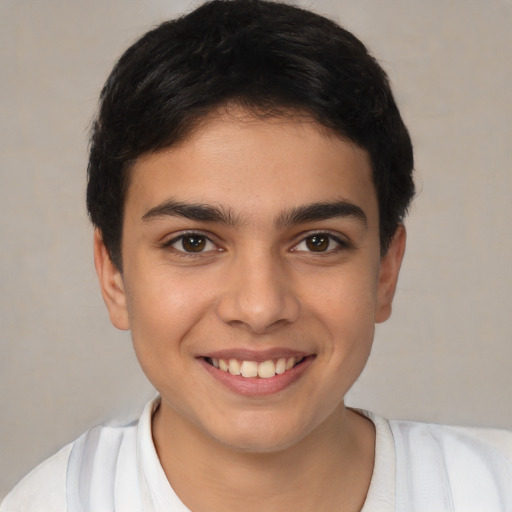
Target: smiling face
pixel 252 247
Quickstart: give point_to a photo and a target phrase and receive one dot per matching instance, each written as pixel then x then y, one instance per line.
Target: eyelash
pixel 190 234
pixel 340 243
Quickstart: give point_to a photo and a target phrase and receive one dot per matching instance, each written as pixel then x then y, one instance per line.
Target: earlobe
pixel 111 284
pixel 388 275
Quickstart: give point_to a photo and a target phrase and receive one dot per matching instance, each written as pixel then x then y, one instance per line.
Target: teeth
pixel 249 369
pixel 281 365
pixel 263 370
pixel 234 367
pixel 266 369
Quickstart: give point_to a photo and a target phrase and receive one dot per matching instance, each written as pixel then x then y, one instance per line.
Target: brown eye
pixel 193 243
pixel 321 243
pixel 318 243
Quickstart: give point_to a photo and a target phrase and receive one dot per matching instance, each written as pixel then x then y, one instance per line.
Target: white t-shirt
pixel 418 468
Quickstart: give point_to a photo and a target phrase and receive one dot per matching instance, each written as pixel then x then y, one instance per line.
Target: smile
pixel 250 369
pixel 256 375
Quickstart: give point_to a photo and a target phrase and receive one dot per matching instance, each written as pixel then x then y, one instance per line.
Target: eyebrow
pixel 321 211
pixel 192 211
pixel 299 215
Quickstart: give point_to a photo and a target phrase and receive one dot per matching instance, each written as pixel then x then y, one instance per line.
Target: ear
pixel 111 284
pixel 388 275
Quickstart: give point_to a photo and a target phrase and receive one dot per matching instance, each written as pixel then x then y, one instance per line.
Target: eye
pixel 192 243
pixel 320 243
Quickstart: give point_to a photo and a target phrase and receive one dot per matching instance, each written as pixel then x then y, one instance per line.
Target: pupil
pixel 194 243
pixel 317 243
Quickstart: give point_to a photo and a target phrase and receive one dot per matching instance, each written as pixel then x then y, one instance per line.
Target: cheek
pixel 162 313
pixel 344 299
pixel 344 305
pixel 163 307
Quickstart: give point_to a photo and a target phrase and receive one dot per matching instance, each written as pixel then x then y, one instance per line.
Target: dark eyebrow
pixel 192 211
pixel 321 211
pixel 301 214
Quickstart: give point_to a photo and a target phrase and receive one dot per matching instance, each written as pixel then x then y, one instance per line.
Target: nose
pixel 258 295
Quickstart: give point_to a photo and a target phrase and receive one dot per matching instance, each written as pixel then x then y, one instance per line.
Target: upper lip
pixel 255 355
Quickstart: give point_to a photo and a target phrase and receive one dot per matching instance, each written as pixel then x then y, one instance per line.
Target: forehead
pixel 254 167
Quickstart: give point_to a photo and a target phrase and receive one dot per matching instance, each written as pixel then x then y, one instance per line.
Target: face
pixel 252 277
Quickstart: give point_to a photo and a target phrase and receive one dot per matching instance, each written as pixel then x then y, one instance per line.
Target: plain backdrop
pixel 445 356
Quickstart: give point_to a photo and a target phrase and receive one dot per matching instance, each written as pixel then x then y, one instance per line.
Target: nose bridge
pixel 259 292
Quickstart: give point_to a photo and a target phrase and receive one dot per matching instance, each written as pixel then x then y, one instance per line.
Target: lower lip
pixel 256 386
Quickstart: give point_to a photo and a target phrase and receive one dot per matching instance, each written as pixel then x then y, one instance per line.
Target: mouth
pixel 255 375
pixel 254 369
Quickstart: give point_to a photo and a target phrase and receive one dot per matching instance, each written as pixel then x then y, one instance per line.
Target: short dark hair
pixel 270 58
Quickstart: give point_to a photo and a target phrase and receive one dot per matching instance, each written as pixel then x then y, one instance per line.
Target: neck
pixel 330 469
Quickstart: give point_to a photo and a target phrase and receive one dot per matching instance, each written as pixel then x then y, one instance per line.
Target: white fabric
pixel 450 470
pixel 418 468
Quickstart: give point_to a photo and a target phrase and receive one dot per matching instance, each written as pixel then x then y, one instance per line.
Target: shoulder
pixel 59 479
pixel 43 489
pixel 482 443
pixel 467 468
pixel 498 439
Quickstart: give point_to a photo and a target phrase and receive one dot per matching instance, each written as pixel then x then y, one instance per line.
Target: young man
pixel 249 173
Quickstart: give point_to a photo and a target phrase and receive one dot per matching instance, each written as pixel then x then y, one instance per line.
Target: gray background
pixel 445 354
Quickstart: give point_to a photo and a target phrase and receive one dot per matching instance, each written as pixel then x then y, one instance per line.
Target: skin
pixel 256 285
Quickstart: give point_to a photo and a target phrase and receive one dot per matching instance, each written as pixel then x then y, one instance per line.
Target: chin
pixel 261 433
pixel 259 442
